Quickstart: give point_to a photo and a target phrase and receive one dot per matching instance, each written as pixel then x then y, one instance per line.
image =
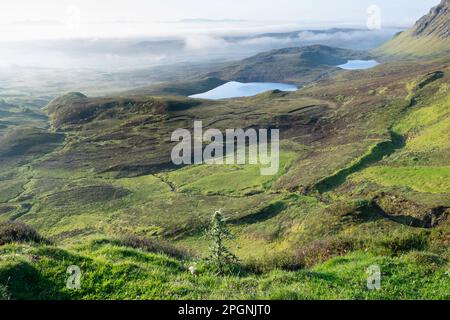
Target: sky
pixel 50 19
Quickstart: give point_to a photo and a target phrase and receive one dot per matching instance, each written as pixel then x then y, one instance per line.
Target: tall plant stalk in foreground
pixel 219 255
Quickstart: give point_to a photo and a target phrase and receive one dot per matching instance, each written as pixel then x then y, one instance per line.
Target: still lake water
pixel 234 89
pixel 359 64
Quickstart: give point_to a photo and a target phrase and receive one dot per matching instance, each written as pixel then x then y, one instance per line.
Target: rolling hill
pixel 299 66
pixel 363 180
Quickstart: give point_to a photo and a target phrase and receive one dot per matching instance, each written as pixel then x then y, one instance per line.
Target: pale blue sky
pixel 322 12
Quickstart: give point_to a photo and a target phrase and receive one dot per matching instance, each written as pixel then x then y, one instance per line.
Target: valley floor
pixel 364 181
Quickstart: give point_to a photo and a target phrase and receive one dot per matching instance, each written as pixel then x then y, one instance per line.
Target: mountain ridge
pixel 434 22
pixel 427 38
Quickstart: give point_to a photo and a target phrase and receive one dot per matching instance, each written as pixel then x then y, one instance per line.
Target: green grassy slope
pixel 109 271
pixel 407 45
pixel 363 180
pixel 429 37
pixel 110 176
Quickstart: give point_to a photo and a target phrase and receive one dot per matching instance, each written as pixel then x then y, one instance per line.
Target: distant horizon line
pixel 327 24
pixel 255 30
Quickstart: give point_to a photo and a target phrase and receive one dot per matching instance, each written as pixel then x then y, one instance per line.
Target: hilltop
pixel 299 66
pixel 436 23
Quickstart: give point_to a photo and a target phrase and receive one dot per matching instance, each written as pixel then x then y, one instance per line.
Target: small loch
pixel 234 89
pixel 359 64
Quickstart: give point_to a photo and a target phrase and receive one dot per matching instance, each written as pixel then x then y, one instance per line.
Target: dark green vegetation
pixel 13 231
pixel 364 179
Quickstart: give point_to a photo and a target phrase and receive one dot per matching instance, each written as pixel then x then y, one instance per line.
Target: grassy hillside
pixel 429 37
pixel 407 45
pixel 111 271
pixel 363 181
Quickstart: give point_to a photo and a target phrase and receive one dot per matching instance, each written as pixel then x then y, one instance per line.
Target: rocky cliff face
pixel 435 23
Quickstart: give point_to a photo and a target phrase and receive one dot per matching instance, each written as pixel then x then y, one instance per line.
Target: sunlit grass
pixel 422 179
pixel 227 179
pixel 112 272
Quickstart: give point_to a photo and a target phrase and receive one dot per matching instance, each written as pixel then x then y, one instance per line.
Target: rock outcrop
pixel 435 23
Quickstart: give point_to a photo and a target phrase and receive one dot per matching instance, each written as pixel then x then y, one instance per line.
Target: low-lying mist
pixel 193 42
pixel 97 65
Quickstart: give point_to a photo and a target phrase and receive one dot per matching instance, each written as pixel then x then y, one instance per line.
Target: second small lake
pixel 234 89
pixel 358 64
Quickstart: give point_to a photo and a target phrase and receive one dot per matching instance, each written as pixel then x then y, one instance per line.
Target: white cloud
pixel 204 42
pixel 316 37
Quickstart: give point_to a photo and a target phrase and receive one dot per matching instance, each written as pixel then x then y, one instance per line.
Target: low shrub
pixel 354 211
pixel 14 231
pixel 281 261
pixel 440 238
pixel 322 250
pixel 403 243
pixel 154 246
pixel 4 295
pixel 304 257
pixel 427 259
